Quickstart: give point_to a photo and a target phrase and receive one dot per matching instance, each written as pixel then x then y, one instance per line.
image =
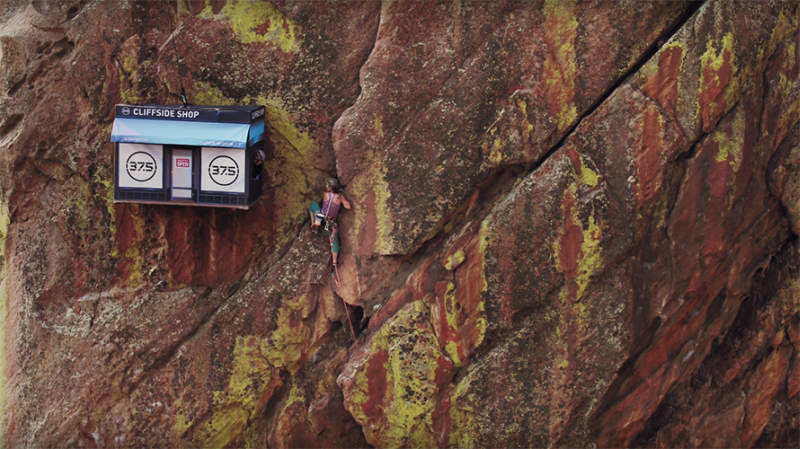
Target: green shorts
pixel 332 228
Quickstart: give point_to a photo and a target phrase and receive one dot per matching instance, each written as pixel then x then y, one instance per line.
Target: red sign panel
pixel 182 162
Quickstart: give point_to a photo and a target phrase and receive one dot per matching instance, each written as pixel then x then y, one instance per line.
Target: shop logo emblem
pixel 126 110
pixel 223 170
pixel 141 166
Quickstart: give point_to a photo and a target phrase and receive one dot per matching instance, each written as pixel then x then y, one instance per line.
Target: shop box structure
pixel 188 155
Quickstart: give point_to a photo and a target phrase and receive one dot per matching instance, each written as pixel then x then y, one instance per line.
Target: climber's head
pixel 332 185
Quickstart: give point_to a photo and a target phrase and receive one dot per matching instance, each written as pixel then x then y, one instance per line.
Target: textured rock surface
pixel 574 224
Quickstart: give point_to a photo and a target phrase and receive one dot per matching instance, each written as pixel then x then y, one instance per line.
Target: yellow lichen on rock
pixel 108 199
pixel 372 184
pixel 588 259
pixel 292 171
pixel 719 82
pixel 451 318
pixel 413 386
pixel 588 176
pixel 205 93
pixel 730 147
pixel 459 323
pixel 256 21
pixel 253 379
pixel 454 260
pixel 714 55
pixel 247 390
pixel 484 241
pixel 785 26
pixel 377 124
pixel 496 153
pixel 591 255
pixel 785 86
pixel 396 410
pixel 560 71
pixel 284 348
pixel 527 126
pixel 464 428
pixel 128 71
pixel 385 224
pixel 181 425
pixel 134 254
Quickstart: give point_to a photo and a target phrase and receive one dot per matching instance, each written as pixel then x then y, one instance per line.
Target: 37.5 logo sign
pixel 141 166
pixel 223 170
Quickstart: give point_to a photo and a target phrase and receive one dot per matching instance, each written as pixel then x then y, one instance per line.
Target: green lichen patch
pixel 88 212
pixel 285 345
pixel 133 253
pixel 258 21
pixel 202 92
pixel 394 391
pixel 292 167
pixel 254 377
pixel 251 383
pixel 130 71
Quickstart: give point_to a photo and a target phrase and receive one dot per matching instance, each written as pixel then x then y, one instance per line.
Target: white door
pixel 182 178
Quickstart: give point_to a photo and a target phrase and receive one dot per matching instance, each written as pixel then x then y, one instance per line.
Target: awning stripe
pixel 166 132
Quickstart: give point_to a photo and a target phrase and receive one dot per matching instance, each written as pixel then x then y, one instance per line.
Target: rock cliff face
pixel 573 224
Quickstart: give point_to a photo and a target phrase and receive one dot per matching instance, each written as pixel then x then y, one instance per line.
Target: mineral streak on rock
pixel 574 224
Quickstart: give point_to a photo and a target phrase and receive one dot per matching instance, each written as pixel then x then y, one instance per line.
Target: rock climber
pixel 325 217
pixel 258 163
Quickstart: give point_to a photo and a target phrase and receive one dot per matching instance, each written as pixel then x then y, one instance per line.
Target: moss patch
pixel 202 92
pixel 253 380
pixel 249 387
pixel 292 167
pixel 134 254
pixel 258 21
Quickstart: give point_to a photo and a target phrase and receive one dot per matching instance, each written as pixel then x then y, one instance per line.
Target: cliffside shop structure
pixel 187 155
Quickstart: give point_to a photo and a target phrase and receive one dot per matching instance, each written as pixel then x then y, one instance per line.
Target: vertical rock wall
pixel 573 224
